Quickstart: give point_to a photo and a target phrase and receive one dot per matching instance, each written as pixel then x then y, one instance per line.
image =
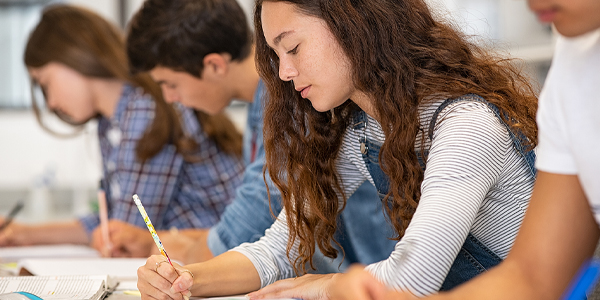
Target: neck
pixel 365 103
pixel 107 93
pixel 244 78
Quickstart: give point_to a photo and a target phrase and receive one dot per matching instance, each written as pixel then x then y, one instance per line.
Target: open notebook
pixel 75 287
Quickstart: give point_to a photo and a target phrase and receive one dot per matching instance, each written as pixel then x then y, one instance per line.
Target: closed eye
pixel 294 51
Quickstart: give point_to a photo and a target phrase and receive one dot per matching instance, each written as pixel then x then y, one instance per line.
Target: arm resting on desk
pixel 17 234
pixel 230 273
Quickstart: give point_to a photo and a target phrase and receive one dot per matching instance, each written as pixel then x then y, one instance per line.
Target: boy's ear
pixel 215 65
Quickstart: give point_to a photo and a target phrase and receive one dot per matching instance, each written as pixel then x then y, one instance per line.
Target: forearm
pixel 230 273
pixel 58 233
pixel 558 234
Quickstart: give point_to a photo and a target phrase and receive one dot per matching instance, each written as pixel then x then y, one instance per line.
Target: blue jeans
pixel 474 257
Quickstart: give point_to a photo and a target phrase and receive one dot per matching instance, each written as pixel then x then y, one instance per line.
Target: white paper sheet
pixel 13 254
pixel 121 269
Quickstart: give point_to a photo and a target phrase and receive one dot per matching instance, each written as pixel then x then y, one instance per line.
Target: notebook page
pixel 56 287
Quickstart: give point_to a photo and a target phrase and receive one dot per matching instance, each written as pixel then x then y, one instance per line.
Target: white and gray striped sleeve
pixel 466 157
pixel 268 254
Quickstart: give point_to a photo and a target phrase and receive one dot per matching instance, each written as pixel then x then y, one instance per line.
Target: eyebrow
pixel 278 38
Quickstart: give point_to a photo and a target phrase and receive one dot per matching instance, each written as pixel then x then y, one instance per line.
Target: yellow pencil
pixel 157 241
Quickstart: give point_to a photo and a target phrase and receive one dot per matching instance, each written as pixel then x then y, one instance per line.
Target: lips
pixel 303 91
pixel 546 15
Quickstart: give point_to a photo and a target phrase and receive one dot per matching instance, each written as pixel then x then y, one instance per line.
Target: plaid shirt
pixel 175 193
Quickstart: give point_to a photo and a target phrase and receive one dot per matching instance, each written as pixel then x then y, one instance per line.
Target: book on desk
pixel 75 287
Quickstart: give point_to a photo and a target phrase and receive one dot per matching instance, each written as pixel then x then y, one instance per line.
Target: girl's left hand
pixel 359 284
pixel 306 287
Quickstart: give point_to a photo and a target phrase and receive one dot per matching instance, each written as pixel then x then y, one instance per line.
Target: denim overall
pixel 474 257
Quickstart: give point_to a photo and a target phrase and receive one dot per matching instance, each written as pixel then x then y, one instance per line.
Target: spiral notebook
pixel 75 287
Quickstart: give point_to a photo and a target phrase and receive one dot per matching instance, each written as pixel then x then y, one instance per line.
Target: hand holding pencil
pixel 156 265
pixel 9 231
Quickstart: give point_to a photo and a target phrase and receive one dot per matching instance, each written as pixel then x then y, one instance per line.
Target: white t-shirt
pixel 569 114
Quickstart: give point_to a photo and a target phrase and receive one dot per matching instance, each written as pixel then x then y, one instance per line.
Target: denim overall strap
pixel 516 137
pixel 370 155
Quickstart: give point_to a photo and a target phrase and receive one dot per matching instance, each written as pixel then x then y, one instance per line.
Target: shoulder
pixel 468 111
pixel 135 103
pixel 189 120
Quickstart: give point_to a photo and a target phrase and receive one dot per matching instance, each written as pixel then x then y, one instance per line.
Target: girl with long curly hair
pixel 378 91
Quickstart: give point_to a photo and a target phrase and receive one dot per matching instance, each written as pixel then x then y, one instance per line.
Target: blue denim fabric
pixel 474 257
pixel 364 236
pixel 363 232
pixel 248 216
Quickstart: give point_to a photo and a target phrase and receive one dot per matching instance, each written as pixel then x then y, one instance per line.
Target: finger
pixel 279 294
pixel 7 236
pixel 375 289
pixel 154 285
pixel 166 270
pixel 119 242
pixel 99 244
pixel 184 282
pixel 289 288
pixel 269 290
pixel 276 286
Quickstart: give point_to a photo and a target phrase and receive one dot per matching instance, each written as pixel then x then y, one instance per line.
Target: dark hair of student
pixel 178 34
pixel 401 57
pixel 85 42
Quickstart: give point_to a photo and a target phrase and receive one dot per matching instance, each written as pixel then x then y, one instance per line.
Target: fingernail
pixel 180 285
pixel 172 290
pixel 188 293
pixel 186 297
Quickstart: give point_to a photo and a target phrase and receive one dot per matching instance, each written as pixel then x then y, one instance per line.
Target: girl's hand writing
pixel 157 279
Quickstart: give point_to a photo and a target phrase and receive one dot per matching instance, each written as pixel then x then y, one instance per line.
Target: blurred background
pixel 58 177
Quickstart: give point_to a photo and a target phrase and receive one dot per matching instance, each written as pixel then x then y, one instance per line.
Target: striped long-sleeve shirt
pixel 475 181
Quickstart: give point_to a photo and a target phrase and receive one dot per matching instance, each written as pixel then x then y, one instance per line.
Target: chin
pixel 320 107
pixel 571 31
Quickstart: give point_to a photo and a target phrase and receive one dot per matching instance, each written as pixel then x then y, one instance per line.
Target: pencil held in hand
pixel 104 220
pixel 159 244
pixel 16 209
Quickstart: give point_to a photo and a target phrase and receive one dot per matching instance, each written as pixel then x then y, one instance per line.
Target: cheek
pixel 75 100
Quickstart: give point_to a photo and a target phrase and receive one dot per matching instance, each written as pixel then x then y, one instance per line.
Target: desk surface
pixel 115 296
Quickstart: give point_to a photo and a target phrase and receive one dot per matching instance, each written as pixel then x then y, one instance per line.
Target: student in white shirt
pixel 560 230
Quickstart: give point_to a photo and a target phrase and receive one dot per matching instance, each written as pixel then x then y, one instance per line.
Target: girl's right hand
pixel 15 234
pixel 157 279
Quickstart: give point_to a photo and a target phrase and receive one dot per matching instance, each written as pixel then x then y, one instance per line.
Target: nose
pixel 170 95
pixel 287 71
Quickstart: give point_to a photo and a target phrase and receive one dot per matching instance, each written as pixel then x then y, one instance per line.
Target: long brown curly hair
pixel 400 56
